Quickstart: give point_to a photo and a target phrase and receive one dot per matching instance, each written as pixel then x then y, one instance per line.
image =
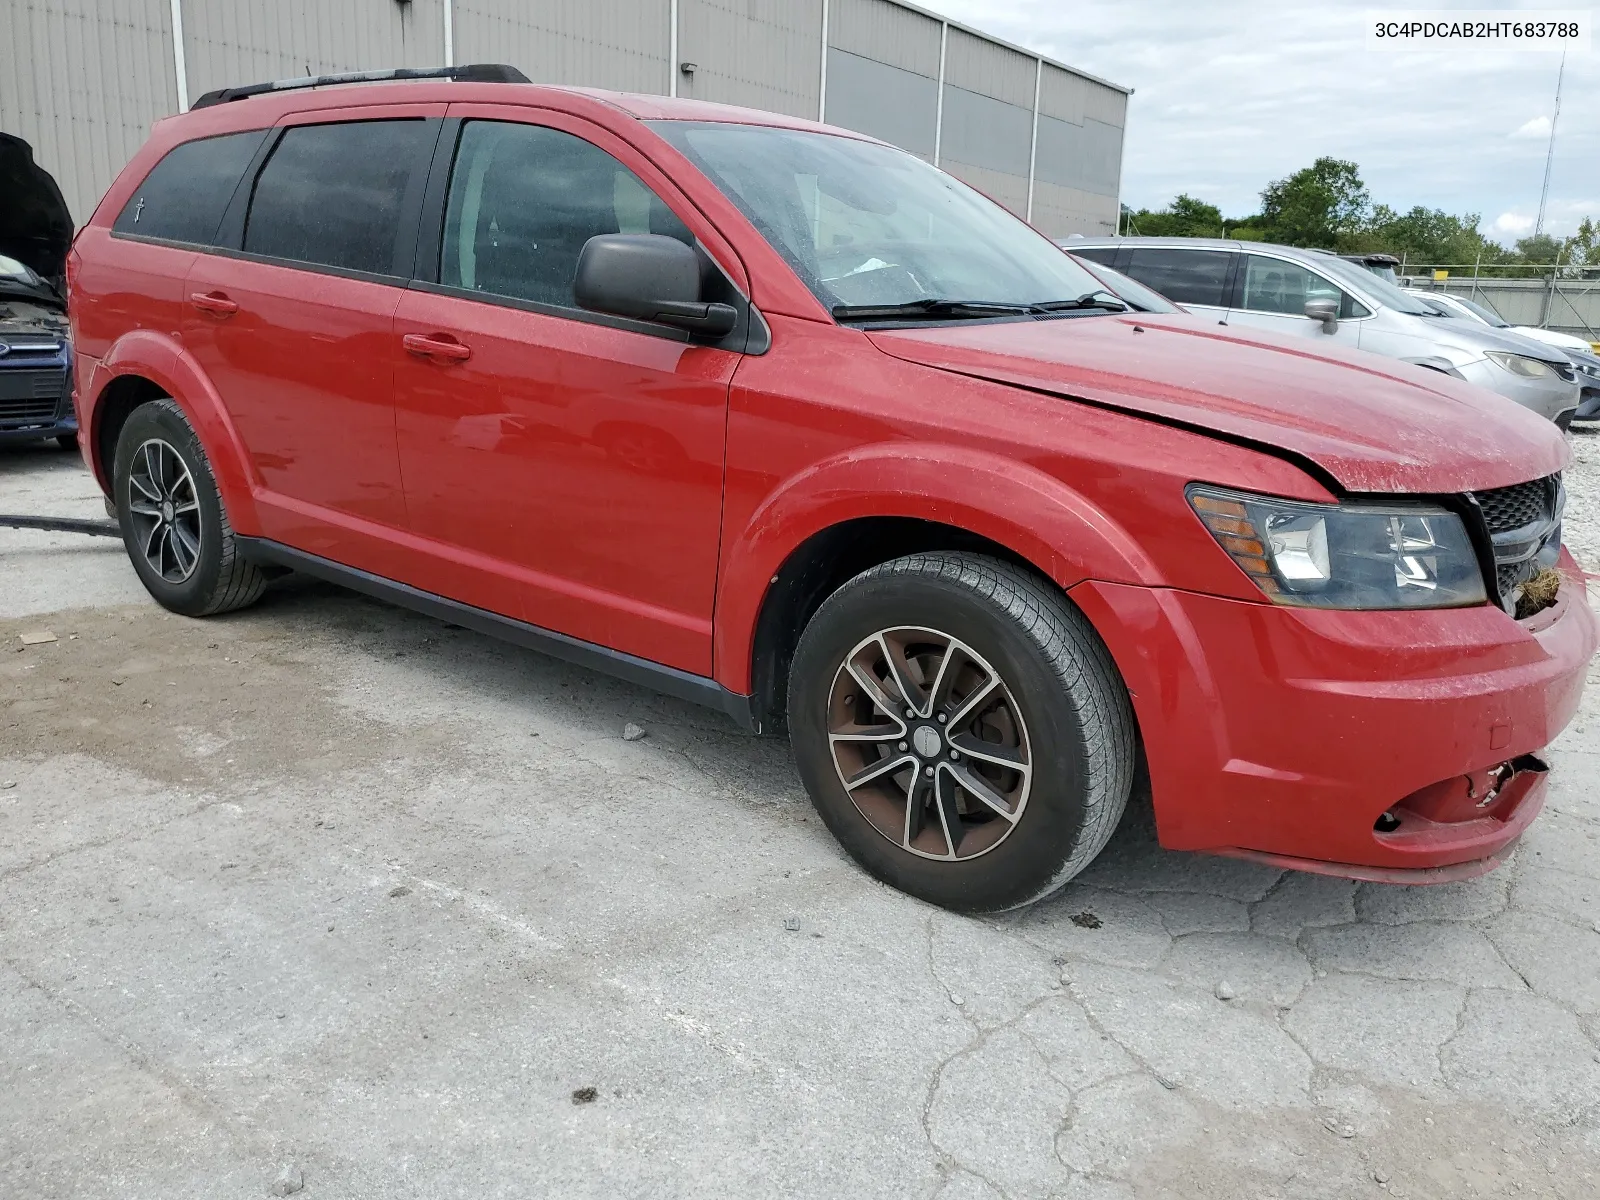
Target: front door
pixel 560 466
pixel 296 333
pixel 1273 293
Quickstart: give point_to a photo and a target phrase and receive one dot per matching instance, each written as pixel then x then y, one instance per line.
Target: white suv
pixel 1312 293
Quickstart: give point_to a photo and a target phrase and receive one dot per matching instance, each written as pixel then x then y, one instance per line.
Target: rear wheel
pixel 961 729
pixel 173 524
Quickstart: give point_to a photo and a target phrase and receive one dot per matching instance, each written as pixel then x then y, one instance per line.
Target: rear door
pixel 1198 279
pixel 293 326
pixel 1271 293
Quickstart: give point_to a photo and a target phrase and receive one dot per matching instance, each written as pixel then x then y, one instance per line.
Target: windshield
pixel 865 224
pixel 1135 293
pixel 1381 290
pixel 1487 315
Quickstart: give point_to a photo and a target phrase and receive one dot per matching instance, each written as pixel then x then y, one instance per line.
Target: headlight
pixel 1590 370
pixel 1344 555
pixel 1517 364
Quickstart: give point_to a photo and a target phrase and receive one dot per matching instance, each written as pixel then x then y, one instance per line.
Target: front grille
pixel 1524 523
pixel 1513 507
pixel 1566 371
pixel 31 396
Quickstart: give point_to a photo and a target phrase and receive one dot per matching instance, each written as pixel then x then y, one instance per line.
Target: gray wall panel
pixel 888 103
pixel 1000 186
pixel 1059 211
pixel 1104 104
pixel 82 81
pixel 758 53
pixel 1087 157
pixel 901 37
pixel 231 42
pixel 984 132
pixel 621 44
pixel 990 69
pixel 1061 94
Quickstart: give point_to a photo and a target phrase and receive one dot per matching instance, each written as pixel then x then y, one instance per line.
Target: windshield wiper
pixel 974 309
pixel 1115 303
pixel 929 307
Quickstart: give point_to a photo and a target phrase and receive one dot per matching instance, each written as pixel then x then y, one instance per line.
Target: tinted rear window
pixel 185 194
pixel 1100 254
pixel 1184 276
pixel 333 194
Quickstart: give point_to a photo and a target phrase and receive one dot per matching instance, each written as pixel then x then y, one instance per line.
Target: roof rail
pixel 471 72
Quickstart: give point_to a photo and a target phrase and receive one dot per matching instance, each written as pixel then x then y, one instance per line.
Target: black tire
pixel 219 578
pixel 1073 704
pixel 67 441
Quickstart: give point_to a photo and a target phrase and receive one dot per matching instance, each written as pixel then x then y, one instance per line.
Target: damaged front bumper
pixel 1393 746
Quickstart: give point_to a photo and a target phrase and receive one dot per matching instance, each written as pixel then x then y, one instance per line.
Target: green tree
pixel 1422 235
pixel 1539 248
pixel 1184 217
pixel 1316 205
pixel 1583 247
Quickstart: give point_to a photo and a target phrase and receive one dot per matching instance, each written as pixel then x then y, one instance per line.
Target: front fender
pixel 162 360
pixel 1032 514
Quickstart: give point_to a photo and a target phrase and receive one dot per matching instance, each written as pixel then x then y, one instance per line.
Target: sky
pixel 1228 97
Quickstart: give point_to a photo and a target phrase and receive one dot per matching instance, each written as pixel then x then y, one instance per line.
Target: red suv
pixel 781 419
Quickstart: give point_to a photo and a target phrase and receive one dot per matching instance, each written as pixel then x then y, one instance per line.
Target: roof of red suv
pixel 295 96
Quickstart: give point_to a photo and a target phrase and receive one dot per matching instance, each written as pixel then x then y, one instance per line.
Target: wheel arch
pixel 844 517
pixel 142 366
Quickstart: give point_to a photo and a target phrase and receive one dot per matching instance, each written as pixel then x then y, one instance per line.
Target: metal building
pixel 84 79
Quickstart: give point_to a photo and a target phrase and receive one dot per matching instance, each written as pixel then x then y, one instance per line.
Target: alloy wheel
pixel 929 743
pixel 165 511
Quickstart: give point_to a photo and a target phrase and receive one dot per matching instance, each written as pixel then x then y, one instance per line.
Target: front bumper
pixel 1549 395
pixel 12 433
pixel 1287 734
pixel 1588 405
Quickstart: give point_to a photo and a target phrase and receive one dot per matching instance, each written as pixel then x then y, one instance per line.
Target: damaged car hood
pixel 1372 424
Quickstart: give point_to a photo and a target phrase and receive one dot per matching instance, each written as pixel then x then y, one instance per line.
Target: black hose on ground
pixel 94 528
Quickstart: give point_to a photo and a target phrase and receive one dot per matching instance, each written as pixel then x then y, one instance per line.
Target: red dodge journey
pixel 778 418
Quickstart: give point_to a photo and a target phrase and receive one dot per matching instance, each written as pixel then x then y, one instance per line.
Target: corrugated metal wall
pixel 621 44
pixel 82 81
pixel 229 42
pixel 759 53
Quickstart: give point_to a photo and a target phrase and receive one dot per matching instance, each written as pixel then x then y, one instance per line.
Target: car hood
pixel 1372 424
pixel 35 225
pixel 1463 333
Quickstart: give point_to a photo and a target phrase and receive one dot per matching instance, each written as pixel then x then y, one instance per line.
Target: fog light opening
pixel 1387 823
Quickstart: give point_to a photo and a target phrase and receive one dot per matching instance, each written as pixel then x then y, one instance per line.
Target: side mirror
pixel 1326 311
pixel 650 277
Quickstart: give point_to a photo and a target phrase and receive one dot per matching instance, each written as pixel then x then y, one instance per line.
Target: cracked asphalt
pixel 328 883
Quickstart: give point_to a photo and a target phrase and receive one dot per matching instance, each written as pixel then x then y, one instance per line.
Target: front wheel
pixel 961 729
pixel 173 524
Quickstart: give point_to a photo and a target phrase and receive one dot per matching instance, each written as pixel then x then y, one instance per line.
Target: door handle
pixel 440 347
pixel 216 304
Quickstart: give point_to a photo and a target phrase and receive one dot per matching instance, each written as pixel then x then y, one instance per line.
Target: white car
pixel 1460 306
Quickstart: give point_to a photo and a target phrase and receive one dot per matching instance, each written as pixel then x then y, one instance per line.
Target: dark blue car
pixel 35 350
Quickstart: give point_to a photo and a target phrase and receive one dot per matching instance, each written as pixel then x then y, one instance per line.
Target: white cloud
pixel 1231 97
pixel 1513 224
